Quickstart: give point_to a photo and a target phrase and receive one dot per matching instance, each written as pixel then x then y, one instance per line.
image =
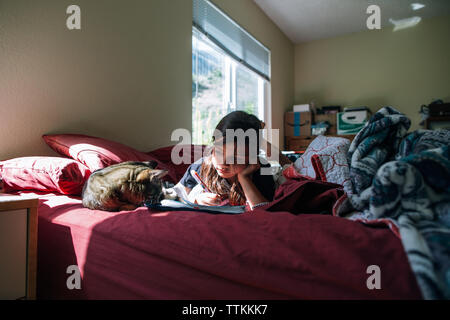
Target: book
pixel 174 205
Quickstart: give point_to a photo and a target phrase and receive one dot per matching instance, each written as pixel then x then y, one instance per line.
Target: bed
pixel 262 254
pixel 297 247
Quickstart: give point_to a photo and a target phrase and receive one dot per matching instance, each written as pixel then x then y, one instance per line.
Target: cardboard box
pixel 351 122
pixel 297 124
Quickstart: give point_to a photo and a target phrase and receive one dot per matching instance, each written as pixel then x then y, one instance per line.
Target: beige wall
pixel 247 14
pixel 404 69
pixel 125 76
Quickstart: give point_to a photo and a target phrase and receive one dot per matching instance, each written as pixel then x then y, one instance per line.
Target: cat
pixel 125 186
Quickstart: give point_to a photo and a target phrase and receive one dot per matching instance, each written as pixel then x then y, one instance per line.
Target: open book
pixel 186 203
pixel 171 205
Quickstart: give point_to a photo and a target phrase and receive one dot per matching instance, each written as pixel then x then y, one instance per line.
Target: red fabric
pixel 306 196
pixel 97 153
pixel 51 174
pixel 318 168
pixel 165 155
pixel 193 255
pixel 292 173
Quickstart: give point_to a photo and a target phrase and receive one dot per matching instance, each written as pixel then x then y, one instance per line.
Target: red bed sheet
pixel 262 254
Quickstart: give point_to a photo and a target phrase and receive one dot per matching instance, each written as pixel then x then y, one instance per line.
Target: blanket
pixel 267 253
pixel 405 180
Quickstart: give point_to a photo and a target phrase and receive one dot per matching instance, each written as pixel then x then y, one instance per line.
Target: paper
pixel 186 203
pixel 171 205
pixel 301 108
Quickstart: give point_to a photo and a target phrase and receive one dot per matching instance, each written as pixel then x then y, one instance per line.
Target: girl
pixel 227 171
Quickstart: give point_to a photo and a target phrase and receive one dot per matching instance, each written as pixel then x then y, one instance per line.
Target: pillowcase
pixel 50 174
pixel 97 153
pixel 165 155
pixel 325 159
pixel 291 172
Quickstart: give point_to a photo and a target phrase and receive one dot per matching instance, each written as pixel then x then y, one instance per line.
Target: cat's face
pixel 152 184
pixel 154 192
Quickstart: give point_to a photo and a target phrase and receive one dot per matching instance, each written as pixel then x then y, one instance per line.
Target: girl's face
pixel 229 165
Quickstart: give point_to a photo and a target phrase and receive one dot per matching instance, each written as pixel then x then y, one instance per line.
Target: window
pixel 221 80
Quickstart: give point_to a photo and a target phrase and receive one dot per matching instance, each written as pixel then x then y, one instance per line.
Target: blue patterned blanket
pixel 405 179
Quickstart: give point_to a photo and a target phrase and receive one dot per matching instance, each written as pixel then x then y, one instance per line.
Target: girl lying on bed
pixel 228 174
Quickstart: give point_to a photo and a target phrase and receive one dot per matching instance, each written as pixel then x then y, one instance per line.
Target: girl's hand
pixel 248 171
pixel 208 199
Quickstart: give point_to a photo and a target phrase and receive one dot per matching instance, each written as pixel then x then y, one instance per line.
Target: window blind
pixel 231 38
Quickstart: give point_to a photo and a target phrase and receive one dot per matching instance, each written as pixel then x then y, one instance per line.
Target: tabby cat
pixel 124 186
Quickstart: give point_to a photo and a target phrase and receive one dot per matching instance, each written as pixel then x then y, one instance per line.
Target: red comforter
pixel 293 249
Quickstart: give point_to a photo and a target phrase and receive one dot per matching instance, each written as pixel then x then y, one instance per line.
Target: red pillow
pixel 97 153
pixel 51 174
pixel 165 155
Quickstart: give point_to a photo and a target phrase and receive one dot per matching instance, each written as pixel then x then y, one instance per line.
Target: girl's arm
pixel 204 198
pixel 252 194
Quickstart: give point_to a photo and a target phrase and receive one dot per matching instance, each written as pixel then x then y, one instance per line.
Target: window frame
pixel 264 107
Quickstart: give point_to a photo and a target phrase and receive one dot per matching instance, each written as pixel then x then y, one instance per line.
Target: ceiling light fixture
pixel 405 23
pixel 417 6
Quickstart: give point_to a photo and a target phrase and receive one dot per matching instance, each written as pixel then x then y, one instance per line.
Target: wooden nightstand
pixel 18 246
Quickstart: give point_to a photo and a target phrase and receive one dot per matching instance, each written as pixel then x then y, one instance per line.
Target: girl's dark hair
pixel 234 120
pixel 238 120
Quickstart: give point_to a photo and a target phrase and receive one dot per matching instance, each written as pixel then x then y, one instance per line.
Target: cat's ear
pixel 144 175
pixel 152 164
pixel 158 174
pixel 150 174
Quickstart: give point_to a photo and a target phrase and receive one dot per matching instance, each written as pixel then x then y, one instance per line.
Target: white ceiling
pixel 306 20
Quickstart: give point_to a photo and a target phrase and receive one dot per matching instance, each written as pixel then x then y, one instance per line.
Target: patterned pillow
pixel 326 160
